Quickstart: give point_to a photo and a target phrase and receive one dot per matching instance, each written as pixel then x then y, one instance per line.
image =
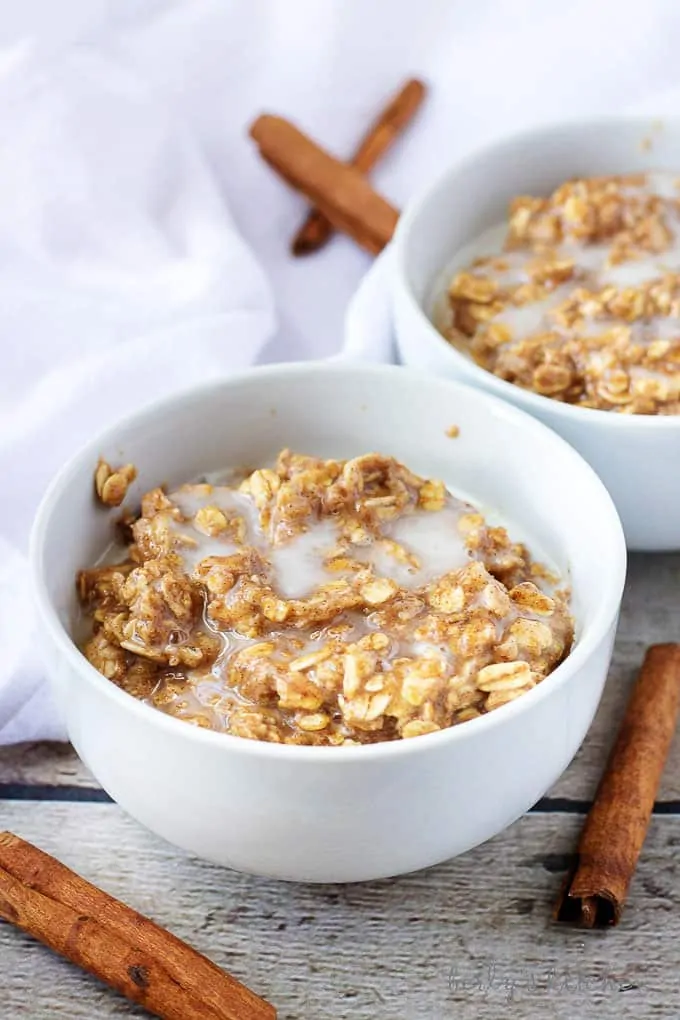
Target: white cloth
pixel 122 278
pixel 123 138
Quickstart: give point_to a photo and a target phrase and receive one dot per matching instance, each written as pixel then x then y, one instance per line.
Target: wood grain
pixel 650 615
pixel 46 764
pixel 471 939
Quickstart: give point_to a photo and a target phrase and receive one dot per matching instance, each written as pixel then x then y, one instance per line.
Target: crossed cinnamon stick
pixel 384 131
pixel 339 192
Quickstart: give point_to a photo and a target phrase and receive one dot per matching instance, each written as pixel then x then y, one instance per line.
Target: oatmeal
pixel 322 602
pixel 111 484
pixel 581 300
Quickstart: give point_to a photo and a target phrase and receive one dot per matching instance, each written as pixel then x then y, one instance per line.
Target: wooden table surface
pixel 471 938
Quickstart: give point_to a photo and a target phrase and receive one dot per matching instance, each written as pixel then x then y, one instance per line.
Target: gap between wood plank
pixel 45 791
pixel 92 795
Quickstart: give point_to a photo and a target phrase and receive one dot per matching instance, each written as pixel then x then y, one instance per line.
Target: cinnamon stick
pixel 339 191
pixel 595 889
pixel 383 132
pixel 110 940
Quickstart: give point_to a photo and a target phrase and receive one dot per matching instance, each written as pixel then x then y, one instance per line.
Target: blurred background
pixel 492 66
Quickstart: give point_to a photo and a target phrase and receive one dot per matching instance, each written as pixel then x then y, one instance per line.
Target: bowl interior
pixel 474 195
pixel 511 466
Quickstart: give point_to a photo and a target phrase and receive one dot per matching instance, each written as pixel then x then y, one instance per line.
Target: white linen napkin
pixel 123 132
pixel 122 278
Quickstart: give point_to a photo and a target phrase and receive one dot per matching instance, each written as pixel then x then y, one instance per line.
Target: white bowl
pixel 332 813
pixel 635 455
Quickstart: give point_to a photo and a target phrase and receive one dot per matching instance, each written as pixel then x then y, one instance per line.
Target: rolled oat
pixel 321 602
pixel 582 305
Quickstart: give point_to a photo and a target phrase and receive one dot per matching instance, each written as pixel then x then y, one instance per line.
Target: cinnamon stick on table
pixel 340 191
pixel 110 940
pixel 384 131
pixel 595 890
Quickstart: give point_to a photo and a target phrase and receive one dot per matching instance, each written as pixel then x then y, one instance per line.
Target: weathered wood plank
pixel 651 613
pixel 48 763
pixel 471 938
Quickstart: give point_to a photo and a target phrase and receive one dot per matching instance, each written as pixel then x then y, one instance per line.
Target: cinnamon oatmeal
pixel 322 602
pixel 581 300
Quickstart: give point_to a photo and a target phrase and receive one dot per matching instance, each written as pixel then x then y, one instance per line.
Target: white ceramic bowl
pixel 635 455
pixel 337 814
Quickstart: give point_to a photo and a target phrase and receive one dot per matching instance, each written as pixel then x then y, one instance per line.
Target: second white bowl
pixel 635 455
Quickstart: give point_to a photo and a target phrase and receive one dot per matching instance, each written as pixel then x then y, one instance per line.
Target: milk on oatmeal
pixel 577 297
pixel 322 602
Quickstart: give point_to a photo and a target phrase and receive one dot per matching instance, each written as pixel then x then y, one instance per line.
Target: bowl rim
pixel 593 631
pixel 535 403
